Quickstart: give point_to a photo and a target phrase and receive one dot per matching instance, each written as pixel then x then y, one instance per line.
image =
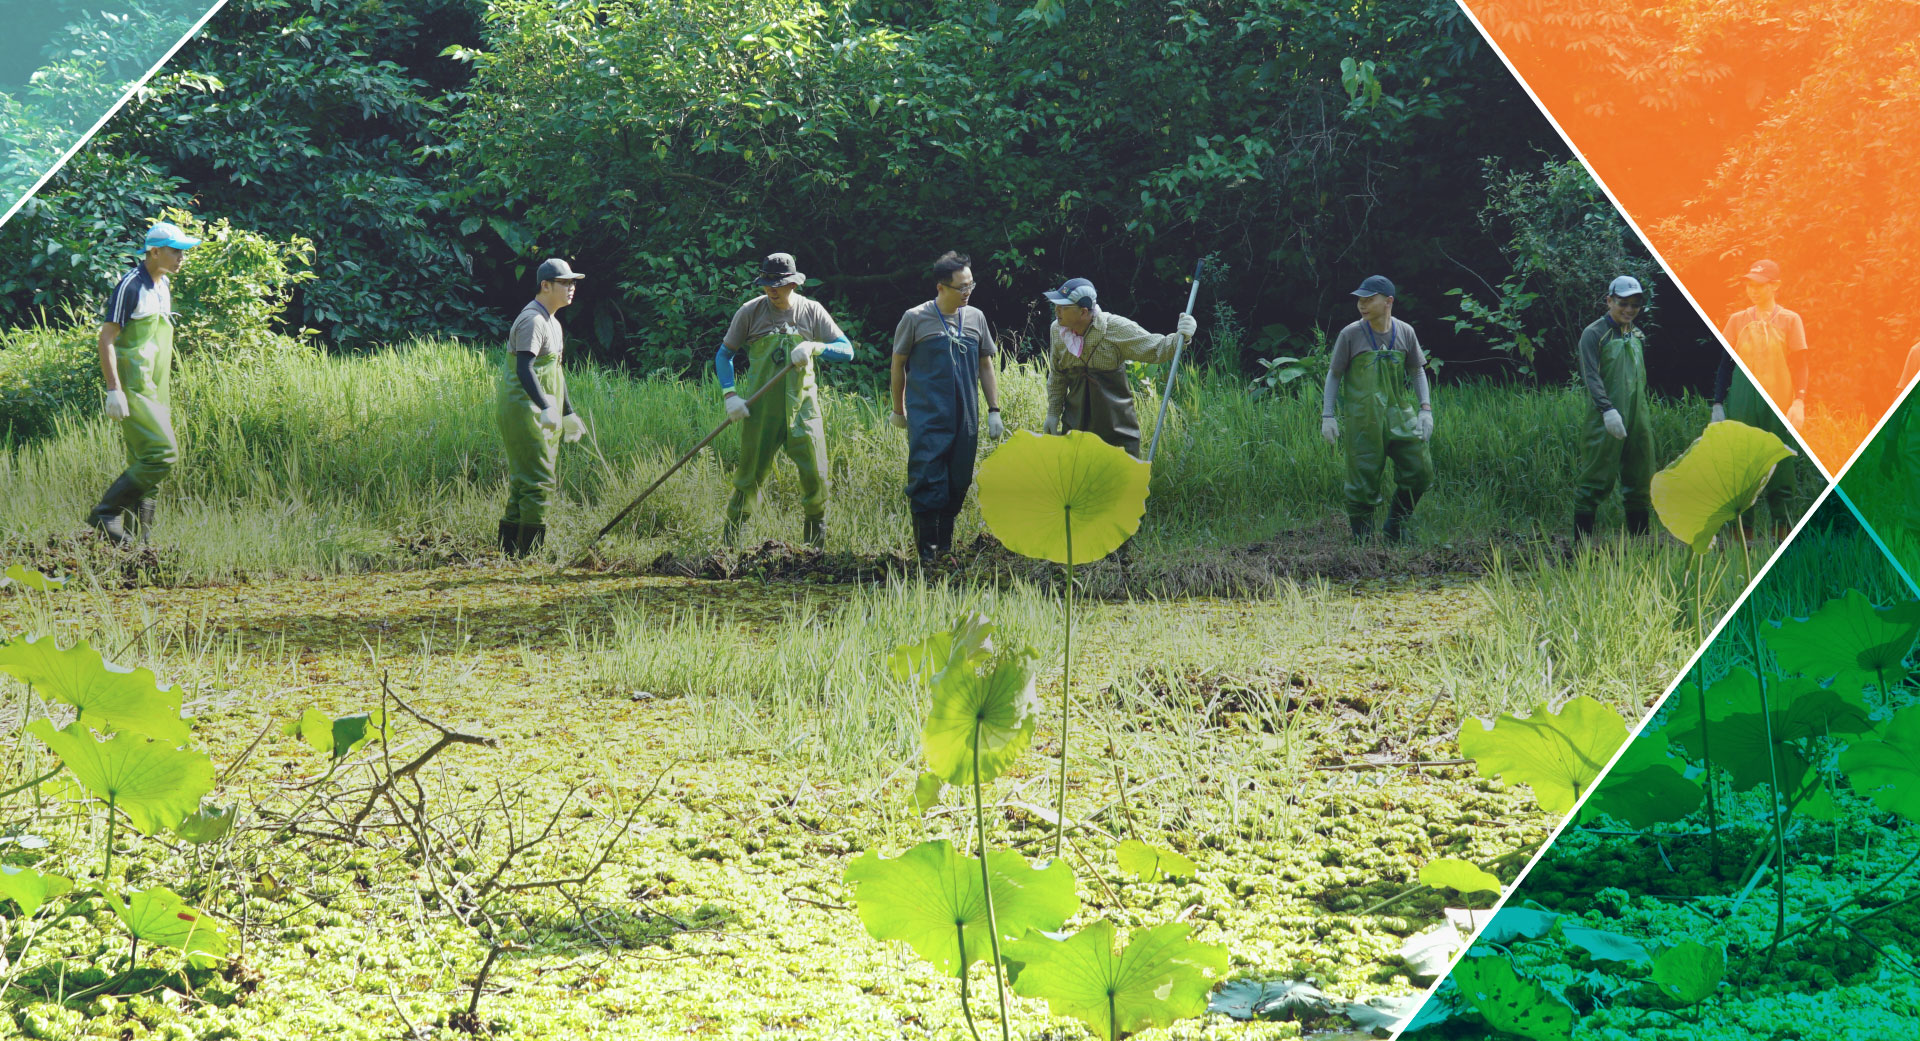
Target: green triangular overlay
pixel 65 66
pixel 1657 911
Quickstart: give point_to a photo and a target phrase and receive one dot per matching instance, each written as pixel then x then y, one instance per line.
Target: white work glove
pixel 1053 423
pixel 1797 412
pixel 736 408
pixel 899 420
pixel 1719 414
pixel 805 350
pixel 995 428
pixel 1616 427
pixel 1188 326
pixel 1423 424
pixel 117 405
pixel 1330 429
pixel 572 428
pixel 550 417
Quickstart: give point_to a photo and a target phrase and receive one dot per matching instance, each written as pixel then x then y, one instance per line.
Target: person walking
pixel 1772 341
pixel 1377 407
pixel 534 411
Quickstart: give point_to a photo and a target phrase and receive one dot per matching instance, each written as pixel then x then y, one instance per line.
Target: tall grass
pixel 333 464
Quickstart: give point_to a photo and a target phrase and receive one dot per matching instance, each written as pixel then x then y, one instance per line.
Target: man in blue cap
pixel 533 409
pixel 1087 349
pixel 1616 442
pixel 1377 376
pixel 136 362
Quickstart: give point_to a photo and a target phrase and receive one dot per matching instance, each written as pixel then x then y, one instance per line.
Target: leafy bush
pixel 234 288
pixel 44 372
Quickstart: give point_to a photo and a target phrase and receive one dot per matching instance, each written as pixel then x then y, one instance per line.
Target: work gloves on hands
pixel 1719 414
pixel 572 428
pixel 117 405
pixel 1423 424
pixel 1797 412
pixel 736 408
pixel 805 350
pixel 1188 326
pixel 1616 427
pixel 899 420
pixel 1053 423
pixel 1330 429
pixel 995 428
pixel 550 417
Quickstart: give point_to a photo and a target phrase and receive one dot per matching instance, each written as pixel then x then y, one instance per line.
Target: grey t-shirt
pixel 926 322
pixel 758 317
pixel 535 331
pixel 1359 338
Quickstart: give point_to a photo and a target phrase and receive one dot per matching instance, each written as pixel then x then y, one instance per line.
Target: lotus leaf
pixel 108 696
pixel 30 889
pixel 1647 785
pixel 1716 479
pixel 1887 770
pixel 1491 987
pixel 1450 873
pixel 207 824
pixel 27 578
pixel 1036 488
pixel 158 916
pixel 1558 754
pixel 1690 973
pixel 155 785
pixel 926 791
pixel 931 898
pixel 1151 863
pixel 980 700
pixel 1848 639
pixel 1161 977
pixel 339 737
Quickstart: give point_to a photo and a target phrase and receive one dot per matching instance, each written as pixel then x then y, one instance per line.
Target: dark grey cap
pixel 1074 292
pixel 554 269
pixel 1375 285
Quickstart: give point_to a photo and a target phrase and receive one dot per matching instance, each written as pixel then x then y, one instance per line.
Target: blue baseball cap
pixel 164 234
pixel 1375 285
pixel 1074 292
pixel 1625 285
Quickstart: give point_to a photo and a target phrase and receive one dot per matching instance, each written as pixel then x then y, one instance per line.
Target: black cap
pixel 554 269
pixel 779 270
pixel 1375 285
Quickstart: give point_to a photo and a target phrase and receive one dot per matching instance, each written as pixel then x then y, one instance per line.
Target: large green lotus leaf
pixel 156 785
pixel 1451 873
pixel 1848 639
pixel 1162 976
pixel 1151 863
pixel 988 702
pixel 1736 692
pixel 930 897
pixel 207 824
pixel 108 696
pixel 29 888
pixel 1556 754
pixel 1033 487
pixel 1690 973
pixel 1887 769
pixel 336 737
pixel 159 916
pixel 1509 1004
pixel 1646 785
pixel 28 578
pixel 1715 480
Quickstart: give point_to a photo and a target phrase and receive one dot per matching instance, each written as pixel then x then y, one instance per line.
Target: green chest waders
pixel 789 422
pixel 1377 424
pixel 1604 459
pixel 143 357
pixel 1100 402
pixel 533 454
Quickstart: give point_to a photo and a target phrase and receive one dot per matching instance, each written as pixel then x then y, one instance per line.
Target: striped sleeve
pixel 125 297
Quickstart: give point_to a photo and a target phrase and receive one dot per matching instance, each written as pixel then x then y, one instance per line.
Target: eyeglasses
pixel 962 290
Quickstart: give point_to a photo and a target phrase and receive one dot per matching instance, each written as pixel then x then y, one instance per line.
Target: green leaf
pixel 1557 754
pixel 1646 786
pixel 982 701
pixel 930 897
pixel 1606 946
pixel 158 916
pixel 1160 978
pixel 29 888
pixel 1036 487
pixel 1715 480
pixel 1449 873
pixel 27 578
pixel 1151 863
pixel 1848 639
pixel 1490 986
pixel 108 696
pixel 338 738
pixel 1690 973
pixel 1887 769
pixel 156 786
pixel 207 824
pixel 926 791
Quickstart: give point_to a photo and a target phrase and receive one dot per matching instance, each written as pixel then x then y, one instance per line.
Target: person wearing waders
pixel 1772 341
pixel 771 330
pixel 1376 407
pixel 136 361
pixel 1087 349
pixel 1616 439
pixel 942 361
pixel 534 411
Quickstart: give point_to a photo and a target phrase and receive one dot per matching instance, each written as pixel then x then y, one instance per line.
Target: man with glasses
pixel 1616 443
pixel 534 411
pixel 942 359
pixel 776 328
pixel 1087 348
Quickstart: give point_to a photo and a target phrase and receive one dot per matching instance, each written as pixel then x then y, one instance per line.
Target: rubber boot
pixel 143 516
pixel 944 538
pixel 925 527
pixel 1362 527
pixel 729 533
pixel 530 538
pixel 1582 526
pixel 108 516
pixel 510 538
pixel 1398 514
pixel 814 534
pixel 1638 522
